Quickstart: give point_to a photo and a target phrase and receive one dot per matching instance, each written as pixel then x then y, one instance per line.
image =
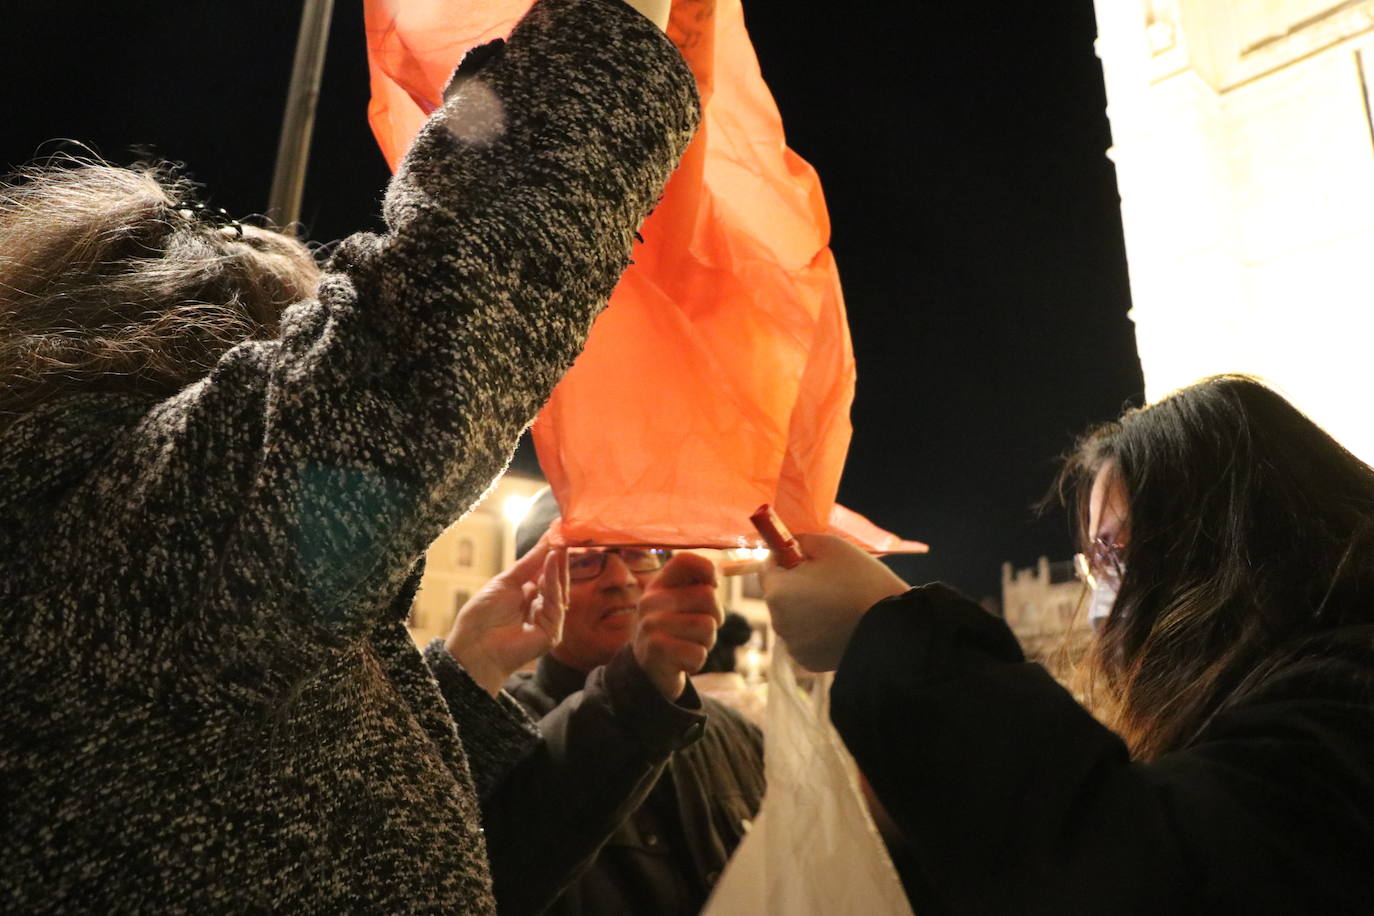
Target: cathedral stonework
pixel 1245 162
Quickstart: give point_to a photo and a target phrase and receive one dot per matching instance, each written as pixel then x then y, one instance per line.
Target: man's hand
pixel 678 618
pixel 513 619
pixel 817 604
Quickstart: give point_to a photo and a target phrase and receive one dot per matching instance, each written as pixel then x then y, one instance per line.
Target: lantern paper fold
pixel 854 527
pixel 721 375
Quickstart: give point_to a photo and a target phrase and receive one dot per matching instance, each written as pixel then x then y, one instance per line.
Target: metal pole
pixel 293 148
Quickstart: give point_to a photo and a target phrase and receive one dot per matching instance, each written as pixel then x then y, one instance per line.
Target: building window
pixel 465 551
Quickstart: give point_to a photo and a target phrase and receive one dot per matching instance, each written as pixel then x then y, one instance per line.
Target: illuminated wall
pixel 467 554
pixel 1242 143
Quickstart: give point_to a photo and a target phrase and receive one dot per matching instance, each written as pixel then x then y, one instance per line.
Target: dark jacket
pixel 667 852
pixel 208 700
pixel 1013 799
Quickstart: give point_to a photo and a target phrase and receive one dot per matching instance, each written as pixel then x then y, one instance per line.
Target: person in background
pixel 219 466
pixel 1232 770
pixel 639 622
pixel 720 681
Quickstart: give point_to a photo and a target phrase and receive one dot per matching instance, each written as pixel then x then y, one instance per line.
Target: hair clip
pixel 211 216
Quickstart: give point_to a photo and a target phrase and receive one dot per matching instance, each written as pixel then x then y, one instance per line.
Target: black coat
pixel 1015 800
pixel 674 786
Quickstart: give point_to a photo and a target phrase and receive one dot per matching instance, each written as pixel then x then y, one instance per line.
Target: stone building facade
pixel 1244 152
pixel 1046 607
pixel 469 552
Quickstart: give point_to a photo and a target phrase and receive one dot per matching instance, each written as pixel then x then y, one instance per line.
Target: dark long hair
pixel 106 285
pixel 1250 556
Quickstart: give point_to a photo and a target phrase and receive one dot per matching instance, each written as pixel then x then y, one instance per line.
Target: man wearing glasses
pixel 614 698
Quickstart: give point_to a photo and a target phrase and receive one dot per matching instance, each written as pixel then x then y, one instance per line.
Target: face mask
pixel 1102 601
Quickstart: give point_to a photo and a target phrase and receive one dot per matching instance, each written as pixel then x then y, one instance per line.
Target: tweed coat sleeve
pixel 210 702
pixel 508 732
pixel 397 397
pixel 309 472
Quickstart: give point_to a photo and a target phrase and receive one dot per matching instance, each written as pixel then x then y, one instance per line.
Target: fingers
pixel 697 629
pixel 549 607
pixel 834 555
pixel 703 600
pixel 687 585
pixel 561 573
pixel 663 659
pixel 813 547
pixel 669 645
pixel 816 605
pixel 548 620
pixel 686 569
pixel 816 544
pixel 681 649
pixel 824 546
pixel 678 618
pixel 528 592
pixel 531 564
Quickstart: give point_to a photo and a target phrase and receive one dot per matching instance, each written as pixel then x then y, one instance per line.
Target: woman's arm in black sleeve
pixel 1015 800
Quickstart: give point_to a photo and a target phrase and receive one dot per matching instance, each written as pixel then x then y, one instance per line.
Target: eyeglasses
pixel 590 563
pixel 1102 561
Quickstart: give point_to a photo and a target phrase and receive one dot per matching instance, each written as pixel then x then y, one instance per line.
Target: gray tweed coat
pixel 209 701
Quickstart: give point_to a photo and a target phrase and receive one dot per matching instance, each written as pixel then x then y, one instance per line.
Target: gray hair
pixel 106 285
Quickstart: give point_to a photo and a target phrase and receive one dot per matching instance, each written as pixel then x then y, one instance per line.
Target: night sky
pixel 962 149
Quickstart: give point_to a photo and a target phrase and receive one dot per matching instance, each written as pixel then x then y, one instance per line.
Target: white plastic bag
pixel 813 850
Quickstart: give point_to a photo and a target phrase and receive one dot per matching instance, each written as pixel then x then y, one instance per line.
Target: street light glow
pixel 515 508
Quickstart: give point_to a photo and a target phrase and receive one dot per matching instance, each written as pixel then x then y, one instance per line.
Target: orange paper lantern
pixel 721 375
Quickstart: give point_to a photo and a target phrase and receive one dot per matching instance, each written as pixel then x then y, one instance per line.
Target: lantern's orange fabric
pixel 721 375
pixel 851 525
pixel 413 47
